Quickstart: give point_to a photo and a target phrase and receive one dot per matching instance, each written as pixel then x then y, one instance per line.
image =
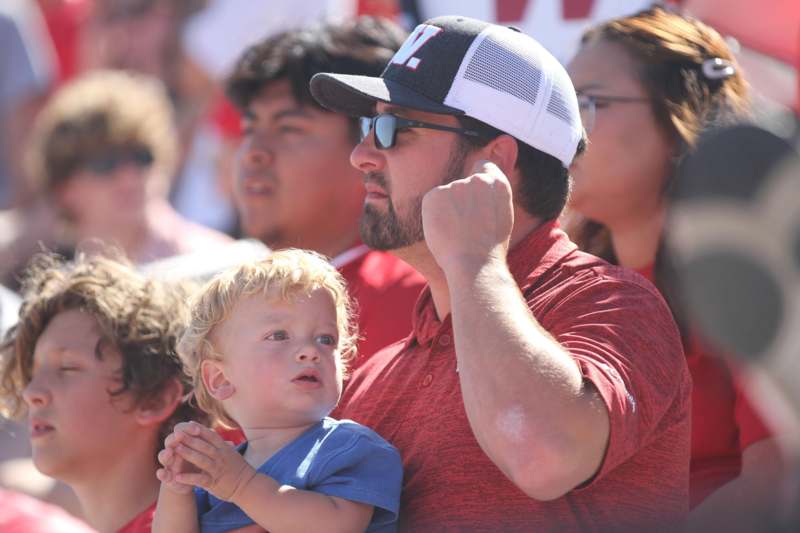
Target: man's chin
pixel 263 232
pixel 381 238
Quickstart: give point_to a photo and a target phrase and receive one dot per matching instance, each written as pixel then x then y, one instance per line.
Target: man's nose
pixel 366 157
pixel 256 155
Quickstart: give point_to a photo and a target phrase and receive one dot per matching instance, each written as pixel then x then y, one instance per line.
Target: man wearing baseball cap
pixel 541 388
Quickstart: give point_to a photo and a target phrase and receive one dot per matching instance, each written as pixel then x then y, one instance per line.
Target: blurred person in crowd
pixel 732 235
pixel 92 365
pixel 267 347
pixel 27 71
pixel 296 187
pixel 541 388
pixel 212 40
pixel 103 151
pixel 138 35
pixel 147 36
pixel 648 85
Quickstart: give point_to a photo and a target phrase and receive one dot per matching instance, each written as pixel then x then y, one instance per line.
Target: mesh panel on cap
pixel 558 107
pixel 491 65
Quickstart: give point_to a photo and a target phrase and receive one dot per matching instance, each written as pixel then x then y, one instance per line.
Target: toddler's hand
pixel 221 470
pixel 173 464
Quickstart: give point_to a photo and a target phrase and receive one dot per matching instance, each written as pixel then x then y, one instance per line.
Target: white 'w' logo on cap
pixel 421 35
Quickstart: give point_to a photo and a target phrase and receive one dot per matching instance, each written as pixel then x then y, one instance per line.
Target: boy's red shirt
pixel 141 523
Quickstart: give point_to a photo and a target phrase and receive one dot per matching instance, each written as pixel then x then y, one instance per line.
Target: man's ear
pixel 154 411
pixel 213 376
pixel 503 152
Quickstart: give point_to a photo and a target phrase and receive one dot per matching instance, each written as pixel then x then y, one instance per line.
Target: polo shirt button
pixel 427 380
pixel 444 340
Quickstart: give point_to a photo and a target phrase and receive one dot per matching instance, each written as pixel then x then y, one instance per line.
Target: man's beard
pixel 388 231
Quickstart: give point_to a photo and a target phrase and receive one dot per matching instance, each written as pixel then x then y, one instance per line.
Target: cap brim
pixel 356 95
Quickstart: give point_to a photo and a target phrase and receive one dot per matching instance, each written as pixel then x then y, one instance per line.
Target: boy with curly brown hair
pixel 92 365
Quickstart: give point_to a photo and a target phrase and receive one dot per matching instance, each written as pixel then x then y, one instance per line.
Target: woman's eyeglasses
pixel 386 125
pixel 105 163
pixel 589 103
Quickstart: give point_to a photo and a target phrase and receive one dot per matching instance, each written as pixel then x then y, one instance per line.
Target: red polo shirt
pixel 620 332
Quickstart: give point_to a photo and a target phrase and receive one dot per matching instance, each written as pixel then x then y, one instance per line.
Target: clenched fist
pixel 469 221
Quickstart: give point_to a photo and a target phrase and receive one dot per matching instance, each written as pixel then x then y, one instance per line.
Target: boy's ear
pixel 154 411
pixel 214 379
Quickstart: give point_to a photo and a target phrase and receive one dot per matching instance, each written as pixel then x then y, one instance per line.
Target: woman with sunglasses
pixel 102 152
pixel 648 85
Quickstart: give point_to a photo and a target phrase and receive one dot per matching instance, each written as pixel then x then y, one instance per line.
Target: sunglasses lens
pixel 102 164
pixel 106 163
pixel 364 125
pixel 142 157
pixel 384 131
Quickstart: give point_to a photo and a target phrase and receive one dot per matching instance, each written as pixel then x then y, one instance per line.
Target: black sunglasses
pixel 385 128
pixel 105 163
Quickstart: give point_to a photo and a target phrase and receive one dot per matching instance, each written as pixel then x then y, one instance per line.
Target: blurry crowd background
pixel 166 189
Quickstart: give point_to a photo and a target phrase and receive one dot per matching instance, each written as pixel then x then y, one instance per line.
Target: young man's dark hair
pixel 360 46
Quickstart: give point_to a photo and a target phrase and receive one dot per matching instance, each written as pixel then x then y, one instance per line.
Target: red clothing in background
pixel 20 513
pixel 385 289
pixel 724 422
pixel 622 336
pixel 65 20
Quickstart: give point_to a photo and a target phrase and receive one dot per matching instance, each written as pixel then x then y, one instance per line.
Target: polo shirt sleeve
pixel 362 467
pixel 623 338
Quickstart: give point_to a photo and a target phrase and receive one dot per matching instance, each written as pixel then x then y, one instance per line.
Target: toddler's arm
pixel 176 509
pixel 275 507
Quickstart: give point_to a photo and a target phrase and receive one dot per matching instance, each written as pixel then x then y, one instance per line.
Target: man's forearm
pixel 524 395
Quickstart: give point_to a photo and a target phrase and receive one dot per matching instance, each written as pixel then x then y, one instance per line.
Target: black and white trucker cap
pixel 460 66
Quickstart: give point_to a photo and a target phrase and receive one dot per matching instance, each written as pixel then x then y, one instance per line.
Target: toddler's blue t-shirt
pixel 335 457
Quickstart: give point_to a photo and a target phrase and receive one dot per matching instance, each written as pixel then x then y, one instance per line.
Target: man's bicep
pixel 628 348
